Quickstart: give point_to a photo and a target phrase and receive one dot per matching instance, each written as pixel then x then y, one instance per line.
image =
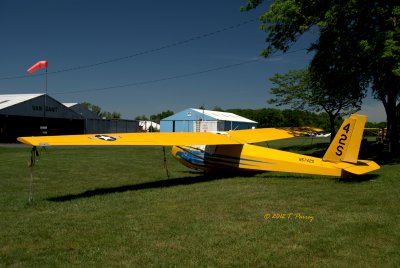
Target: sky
pixel 144 57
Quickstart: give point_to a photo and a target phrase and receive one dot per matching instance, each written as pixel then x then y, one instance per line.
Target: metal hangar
pixel 35 114
pixel 25 115
pixel 198 120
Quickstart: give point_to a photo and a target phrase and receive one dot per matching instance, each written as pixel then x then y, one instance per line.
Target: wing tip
pixel 23 140
pixel 30 141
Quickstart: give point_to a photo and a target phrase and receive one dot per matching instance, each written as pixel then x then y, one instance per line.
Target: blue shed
pixel 197 120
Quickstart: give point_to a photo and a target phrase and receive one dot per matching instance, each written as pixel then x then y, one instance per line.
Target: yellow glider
pixel 231 150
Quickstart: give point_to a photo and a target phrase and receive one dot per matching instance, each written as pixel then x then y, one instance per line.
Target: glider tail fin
pixel 346 144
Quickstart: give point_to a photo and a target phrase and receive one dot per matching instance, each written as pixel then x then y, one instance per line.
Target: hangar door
pixel 206 126
pixel 12 127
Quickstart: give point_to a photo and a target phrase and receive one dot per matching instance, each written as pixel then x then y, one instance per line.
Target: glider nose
pixel 186 158
pixel 174 151
pixel 177 153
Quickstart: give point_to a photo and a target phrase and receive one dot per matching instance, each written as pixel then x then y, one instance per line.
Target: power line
pixel 133 84
pixel 141 53
pixel 162 79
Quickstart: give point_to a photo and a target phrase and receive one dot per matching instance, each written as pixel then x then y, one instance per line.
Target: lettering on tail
pixel 342 141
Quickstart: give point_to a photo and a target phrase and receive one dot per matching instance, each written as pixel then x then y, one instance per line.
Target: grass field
pixel 100 207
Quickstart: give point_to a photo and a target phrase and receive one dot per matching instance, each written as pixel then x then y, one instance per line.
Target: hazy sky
pixel 144 57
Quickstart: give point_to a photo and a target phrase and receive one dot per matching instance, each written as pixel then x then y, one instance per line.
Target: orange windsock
pixel 38 65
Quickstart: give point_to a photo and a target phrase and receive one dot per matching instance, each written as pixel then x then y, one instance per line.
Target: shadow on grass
pixel 358 179
pixel 369 151
pixel 380 155
pixel 141 186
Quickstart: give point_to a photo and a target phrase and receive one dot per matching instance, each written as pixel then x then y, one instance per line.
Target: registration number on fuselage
pixel 307 160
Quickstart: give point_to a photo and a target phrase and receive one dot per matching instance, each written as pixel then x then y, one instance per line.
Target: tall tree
pixel 359 41
pixel 296 88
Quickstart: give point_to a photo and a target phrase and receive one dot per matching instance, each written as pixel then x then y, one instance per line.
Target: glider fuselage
pixel 340 159
pixel 246 157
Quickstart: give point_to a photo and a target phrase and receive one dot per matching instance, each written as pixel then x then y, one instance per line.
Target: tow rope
pixel 165 162
pixel 31 164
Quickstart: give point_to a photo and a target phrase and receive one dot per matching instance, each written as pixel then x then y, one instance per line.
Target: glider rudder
pixel 346 144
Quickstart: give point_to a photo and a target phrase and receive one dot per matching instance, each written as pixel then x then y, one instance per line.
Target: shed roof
pixel 8 100
pixel 224 116
pixel 70 104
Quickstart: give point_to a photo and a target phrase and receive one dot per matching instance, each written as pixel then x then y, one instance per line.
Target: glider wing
pixel 155 138
pixel 267 134
pixel 162 138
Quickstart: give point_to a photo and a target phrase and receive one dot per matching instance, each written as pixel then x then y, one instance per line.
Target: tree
pixel 270 117
pixel 108 115
pixel 383 51
pixel 155 117
pixel 296 88
pixel 358 39
pixel 102 114
pixel 218 109
pixel 142 118
pixel 158 117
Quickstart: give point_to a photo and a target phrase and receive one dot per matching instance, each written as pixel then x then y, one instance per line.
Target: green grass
pixel 115 207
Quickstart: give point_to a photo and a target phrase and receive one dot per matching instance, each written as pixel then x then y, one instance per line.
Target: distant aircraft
pixel 322 135
pixel 233 151
pixel 149 125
